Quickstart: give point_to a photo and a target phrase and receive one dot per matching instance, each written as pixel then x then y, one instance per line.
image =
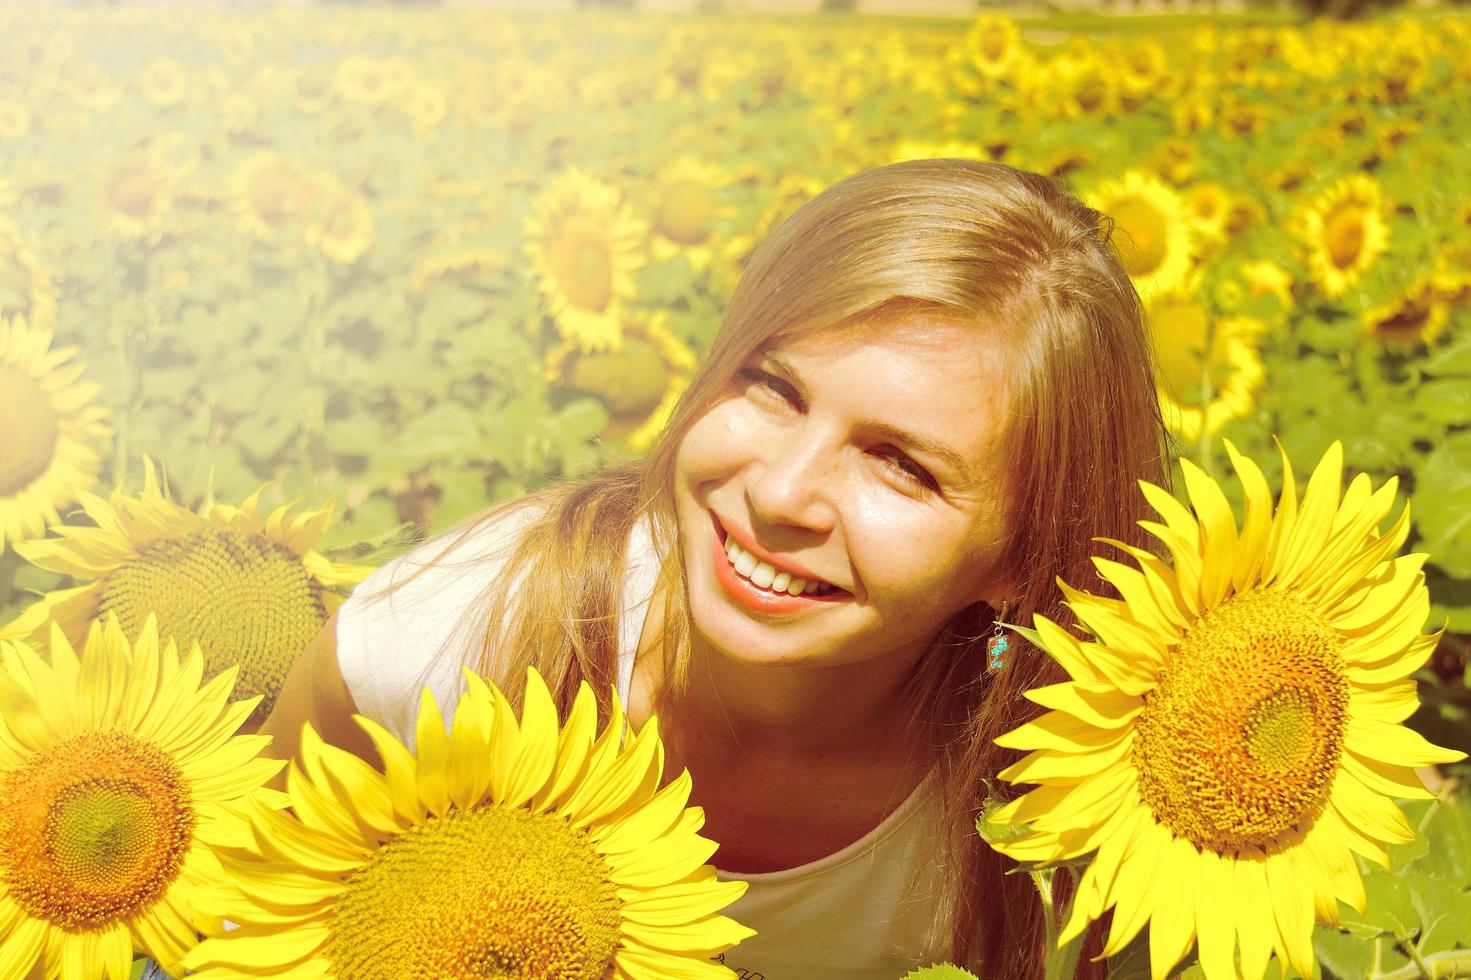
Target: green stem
pixel 9 565
pixel 1062 964
pixel 1438 966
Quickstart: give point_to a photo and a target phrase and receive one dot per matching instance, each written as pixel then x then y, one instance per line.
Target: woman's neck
pixel 780 713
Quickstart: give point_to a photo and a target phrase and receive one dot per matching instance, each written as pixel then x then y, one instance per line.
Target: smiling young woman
pixel 931 390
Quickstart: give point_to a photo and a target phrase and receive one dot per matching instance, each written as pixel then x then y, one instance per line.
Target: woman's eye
pixel 908 469
pixel 773 384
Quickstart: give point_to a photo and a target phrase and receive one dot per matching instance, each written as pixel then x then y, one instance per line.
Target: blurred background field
pixel 421 260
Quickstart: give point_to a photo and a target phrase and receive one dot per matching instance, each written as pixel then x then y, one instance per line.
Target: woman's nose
pixel 795 482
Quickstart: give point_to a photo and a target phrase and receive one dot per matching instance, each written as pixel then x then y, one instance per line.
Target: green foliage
pixel 1418 912
pixel 941 971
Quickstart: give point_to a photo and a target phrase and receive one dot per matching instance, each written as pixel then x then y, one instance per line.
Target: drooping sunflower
pixel 1151 230
pixel 120 776
pixel 640 382
pixel 584 244
pixel 26 288
pixel 246 586
pixel 1209 368
pixel 686 209
pixel 1232 733
pixel 55 433
pixel 497 849
pixel 1344 231
pixel 1416 317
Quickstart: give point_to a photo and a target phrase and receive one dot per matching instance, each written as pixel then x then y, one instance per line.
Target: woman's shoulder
pixel 393 631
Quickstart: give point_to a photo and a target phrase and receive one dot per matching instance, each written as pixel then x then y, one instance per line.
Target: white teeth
pixel 767 577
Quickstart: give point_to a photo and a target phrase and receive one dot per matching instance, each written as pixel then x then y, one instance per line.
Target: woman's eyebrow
pixel 893 433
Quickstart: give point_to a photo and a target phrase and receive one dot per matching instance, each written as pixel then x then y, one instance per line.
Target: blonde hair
pixel 970 242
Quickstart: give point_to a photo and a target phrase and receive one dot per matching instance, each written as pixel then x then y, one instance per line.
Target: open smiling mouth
pixel 739 572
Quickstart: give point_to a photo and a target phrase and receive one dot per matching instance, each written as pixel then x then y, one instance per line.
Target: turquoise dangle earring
pixel 998 644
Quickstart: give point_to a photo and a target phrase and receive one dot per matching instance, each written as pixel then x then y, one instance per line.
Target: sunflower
pixel 1267 277
pixel 1208 205
pixel 640 382
pixel 584 245
pixel 335 218
pixel 264 193
pixel 1209 368
pixel 312 89
pixel 247 587
pixel 1152 229
pixel 121 777
pixel 1344 231
pixel 994 45
pixel 497 850
pixel 162 81
pixel 1414 318
pixel 15 119
pixel 1082 87
pixel 686 210
pixel 137 193
pixel 54 430
pixel 26 289
pixel 364 80
pixel 1231 734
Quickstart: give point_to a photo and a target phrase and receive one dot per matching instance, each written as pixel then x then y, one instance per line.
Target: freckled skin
pixel 808 481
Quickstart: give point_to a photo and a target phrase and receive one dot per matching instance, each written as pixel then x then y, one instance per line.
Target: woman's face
pixel 867 458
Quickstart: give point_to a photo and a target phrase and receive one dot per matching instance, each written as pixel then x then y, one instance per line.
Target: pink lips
pixel 751 596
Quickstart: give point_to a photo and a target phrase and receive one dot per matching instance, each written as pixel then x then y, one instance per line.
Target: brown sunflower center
pixel 995 42
pixel 1240 741
pixel 583 266
pixel 244 599
pixel 94 829
pixel 490 892
pixel 1343 236
pixel 31 429
pixel 686 213
pixel 1143 244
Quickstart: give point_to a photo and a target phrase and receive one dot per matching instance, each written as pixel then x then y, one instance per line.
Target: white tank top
pixel 862 913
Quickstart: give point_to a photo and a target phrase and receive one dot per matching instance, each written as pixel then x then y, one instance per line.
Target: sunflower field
pixel 282 291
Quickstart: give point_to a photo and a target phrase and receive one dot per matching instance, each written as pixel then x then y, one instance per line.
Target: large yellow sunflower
pixel 1209 368
pixel 1344 231
pixel 1152 230
pixel 54 430
pixel 1231 735
pixel 499 850
pixel 247 587
pixel 120 775
pixel 584 245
